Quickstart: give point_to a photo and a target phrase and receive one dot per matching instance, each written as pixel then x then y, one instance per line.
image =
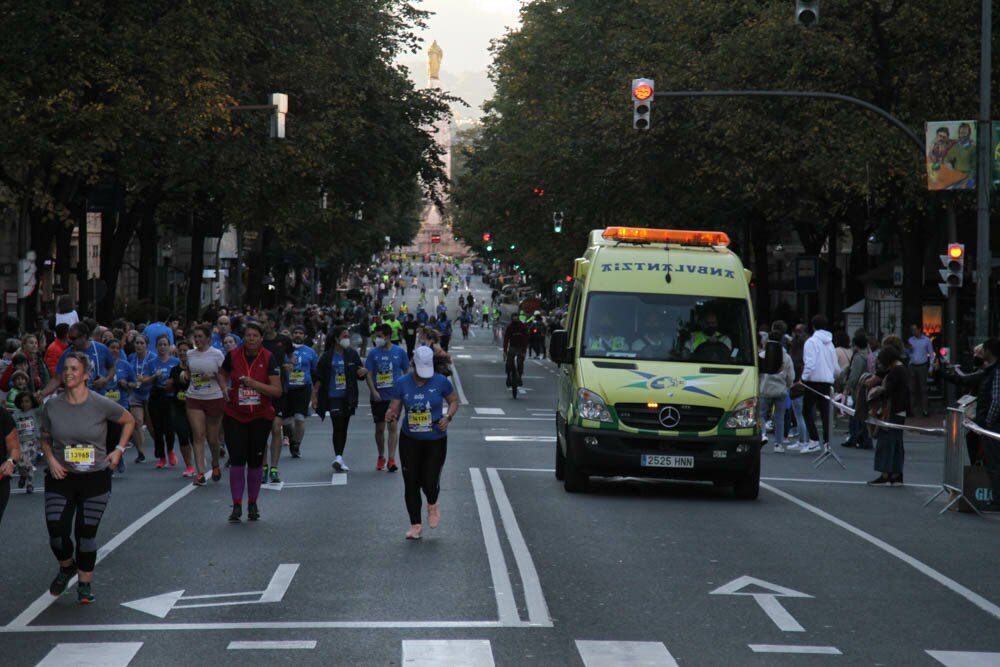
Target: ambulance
pixel 658 362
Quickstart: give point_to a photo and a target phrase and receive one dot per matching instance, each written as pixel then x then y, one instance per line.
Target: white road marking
pixel 489 411
pixel 520 419
pixel 768 602
pixel 791 648
pixel 273 645
pixel 504 377
pixel 45 599
pixel 624 654
pixel 520 438
pixel 457 381
pixel 538 610
pixel 447 652
pixel 840 481
pixel 92 654
pixel 265 625
pixel 463 356
pixel 949 583
pixel 965 658
pixel 502 587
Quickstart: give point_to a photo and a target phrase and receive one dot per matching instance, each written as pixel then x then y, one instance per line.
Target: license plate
pixel 667 461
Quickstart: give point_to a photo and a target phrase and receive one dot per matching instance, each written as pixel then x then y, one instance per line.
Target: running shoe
pixel 811 449
pixel 141 458
pixel 273 477
pixel 253 513
pixel 433 516
pixel 83 593
pixel 285 442
pixel 392 466
pixel 199 481
pixel 380 464
pixel 31 488
pixel 339 465
pixel 21 481
pixel 414 532
pixel 173 458
pixel 234 516
pixel 295 450
pixel 217 474
pixel 59 584
pixel 188 472
pixel 162 463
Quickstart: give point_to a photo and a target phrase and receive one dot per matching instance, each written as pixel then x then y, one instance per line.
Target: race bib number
pixel 248 396
pixel 80 456
pixel 182 396
pixel 297 378
pixel 340 382
pixel 383 380
pixel 419 422
pixel 200 381
pixel 113 394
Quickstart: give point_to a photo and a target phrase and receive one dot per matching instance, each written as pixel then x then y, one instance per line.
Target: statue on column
pixel 434 57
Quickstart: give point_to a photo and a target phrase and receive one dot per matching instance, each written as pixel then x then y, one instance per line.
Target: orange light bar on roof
pixel 679 236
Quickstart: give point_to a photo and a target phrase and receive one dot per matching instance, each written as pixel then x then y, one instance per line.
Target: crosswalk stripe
pixel 795 649
pixel 624 654
pixel 489 411
pixel 965 658
pixel 447 652
pixel 103 654
pixel 272 645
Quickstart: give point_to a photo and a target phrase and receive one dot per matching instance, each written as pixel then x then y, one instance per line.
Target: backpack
pixel 773 356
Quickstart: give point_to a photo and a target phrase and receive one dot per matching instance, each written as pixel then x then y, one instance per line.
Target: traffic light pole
pixel 984 256
pixel 951 312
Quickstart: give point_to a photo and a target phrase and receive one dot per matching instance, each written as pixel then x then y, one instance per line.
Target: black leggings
pixel 162 416
pixel 79 501
pixel 422 462
pixel 810 403
pixel 246 441
pixel 4 494
pixel 182 427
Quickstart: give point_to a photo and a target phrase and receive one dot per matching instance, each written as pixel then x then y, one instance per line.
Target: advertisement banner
pixel 995 145
pixel 951 154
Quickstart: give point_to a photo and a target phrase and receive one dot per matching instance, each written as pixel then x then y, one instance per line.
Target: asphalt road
pixel 820 570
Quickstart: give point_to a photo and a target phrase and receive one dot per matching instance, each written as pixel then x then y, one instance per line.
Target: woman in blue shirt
pixel 117 389
pixel 423 438
pixel 139 396
pixel 335 388
pixel 156 372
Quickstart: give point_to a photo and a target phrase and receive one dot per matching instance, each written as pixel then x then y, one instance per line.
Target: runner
pixel 386 364
pixel 206 400
pixel 335 389
pixel 177 388
pixel 139 396
pixel 280 347
pixel 299 389
pixel 78 481
pixel 10 450
pixel 118 390
pixel 155 373
pixel 424 439
pixel 254 379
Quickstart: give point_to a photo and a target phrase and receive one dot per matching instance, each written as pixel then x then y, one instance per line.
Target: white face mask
pixel 345 341
pixel 379 342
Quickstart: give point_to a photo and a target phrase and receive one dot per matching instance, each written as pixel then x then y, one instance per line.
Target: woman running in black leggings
pixel 78 479
pixel 10 451
pixel 423 439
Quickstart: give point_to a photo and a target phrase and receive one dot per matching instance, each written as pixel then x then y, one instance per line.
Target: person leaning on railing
pixel 970 383
pixel 988 413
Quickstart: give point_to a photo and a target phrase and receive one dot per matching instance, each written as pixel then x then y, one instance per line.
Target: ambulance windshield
pixel 668 327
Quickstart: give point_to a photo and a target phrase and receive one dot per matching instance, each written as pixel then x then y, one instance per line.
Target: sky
pixel 463 29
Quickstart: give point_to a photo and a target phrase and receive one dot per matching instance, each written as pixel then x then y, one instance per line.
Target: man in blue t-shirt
pixel 300 379
pixel 224 328
pixel 386 364
pixel 102 366
pixel 155 329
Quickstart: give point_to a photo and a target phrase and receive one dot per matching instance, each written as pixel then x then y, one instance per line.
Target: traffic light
pixel 435 238
pixel 513 246
pixel 945 355
pixel 489 247
pixel 559 288
pixel 954 267
pixel 807 12
pixel 487 237
pixel 557 220
pixel 539 191
pixel 642 103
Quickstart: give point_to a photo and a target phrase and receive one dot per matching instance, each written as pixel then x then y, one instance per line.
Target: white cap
pixel 538 312
pixel 423 360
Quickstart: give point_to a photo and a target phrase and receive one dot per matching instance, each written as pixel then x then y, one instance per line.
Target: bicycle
pixel 514 370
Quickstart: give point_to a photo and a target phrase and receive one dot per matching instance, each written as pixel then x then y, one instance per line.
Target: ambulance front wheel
pixel 748 488
pixel 560 462
pixel 574 480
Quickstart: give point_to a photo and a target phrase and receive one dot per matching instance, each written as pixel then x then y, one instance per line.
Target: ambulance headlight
pixel 590 405
pixel 744 415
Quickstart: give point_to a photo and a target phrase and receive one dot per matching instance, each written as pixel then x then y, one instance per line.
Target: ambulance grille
pixel 690 418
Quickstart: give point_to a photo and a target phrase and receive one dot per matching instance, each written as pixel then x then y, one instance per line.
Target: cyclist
pixel 515 344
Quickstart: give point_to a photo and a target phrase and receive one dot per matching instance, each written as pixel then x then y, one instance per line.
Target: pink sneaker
pixel 188 472
pixel 162 463
pixel 173 458
pixel 433 515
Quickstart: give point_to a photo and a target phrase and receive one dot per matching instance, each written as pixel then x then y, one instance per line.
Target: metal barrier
pixel 953 476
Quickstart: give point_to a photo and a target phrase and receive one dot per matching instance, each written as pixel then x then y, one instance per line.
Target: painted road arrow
pixel 163 604
pixel 768 601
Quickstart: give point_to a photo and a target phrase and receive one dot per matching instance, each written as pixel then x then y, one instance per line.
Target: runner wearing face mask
pixel 299 389
pixel 335 389
pixel 386 364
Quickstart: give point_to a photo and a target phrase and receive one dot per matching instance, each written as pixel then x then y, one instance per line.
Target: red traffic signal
pixel 540 192
pixel 956 250
pixel 569 279
pixel 435 238
pixel 487 236
pixel 643 90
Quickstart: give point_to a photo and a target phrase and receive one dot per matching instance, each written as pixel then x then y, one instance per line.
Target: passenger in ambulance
pixel 603 339
pixel 653 342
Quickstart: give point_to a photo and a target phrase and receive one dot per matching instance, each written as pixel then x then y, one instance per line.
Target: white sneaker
pixel 763 439
pixel 811 448
pixel 794 447
pixel 339 465
pixel 778 449
pixel 769 426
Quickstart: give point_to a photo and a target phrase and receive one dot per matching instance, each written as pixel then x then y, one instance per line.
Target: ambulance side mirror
pixel 558 352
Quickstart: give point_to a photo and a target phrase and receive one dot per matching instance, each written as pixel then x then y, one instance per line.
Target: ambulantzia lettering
pixel 699 269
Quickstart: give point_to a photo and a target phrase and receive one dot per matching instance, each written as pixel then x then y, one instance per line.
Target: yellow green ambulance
pixel 658 362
